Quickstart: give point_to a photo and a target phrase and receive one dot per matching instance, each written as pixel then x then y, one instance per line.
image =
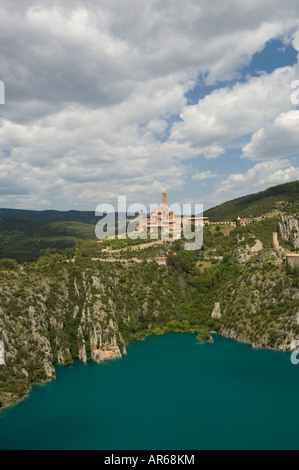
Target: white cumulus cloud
pixel 96 94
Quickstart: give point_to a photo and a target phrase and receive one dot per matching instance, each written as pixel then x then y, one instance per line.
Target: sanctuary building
pixel 161 221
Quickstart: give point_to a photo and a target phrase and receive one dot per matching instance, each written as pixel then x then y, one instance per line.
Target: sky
pixel 112 97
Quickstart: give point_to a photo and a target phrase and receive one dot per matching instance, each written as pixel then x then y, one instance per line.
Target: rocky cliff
pixel 217 311
pixel 261 308
pixel 288 228
pixel 43 325
pixel 53 314
pixel 2 351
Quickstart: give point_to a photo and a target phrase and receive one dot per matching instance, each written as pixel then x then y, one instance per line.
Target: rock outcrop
pixel 217 311
pixel 246 253
pixel 2 351
pixel 288 228
pixel 231 333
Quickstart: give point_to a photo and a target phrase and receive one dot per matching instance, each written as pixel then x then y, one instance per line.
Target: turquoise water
pixel 169 393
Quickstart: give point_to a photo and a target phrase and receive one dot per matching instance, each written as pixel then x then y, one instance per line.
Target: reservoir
pixel 169 393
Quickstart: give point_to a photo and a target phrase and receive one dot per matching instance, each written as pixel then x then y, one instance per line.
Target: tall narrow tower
pixel 164 198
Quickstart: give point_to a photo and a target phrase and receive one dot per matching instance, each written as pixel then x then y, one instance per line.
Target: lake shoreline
pixel 213 333
pixel 120 404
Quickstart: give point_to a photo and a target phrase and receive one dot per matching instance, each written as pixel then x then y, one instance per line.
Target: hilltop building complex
pixel 161 221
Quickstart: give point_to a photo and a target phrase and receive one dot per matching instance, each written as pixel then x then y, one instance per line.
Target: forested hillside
pixel 27 235
pixel 85 217
pixel 281 199
pixel 25 239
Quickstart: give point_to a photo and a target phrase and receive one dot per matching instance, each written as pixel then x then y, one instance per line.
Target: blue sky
pixel 112 98
pixel 276 54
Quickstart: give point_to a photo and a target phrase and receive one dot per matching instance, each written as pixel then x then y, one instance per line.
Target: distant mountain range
pixel 85 217
pixel 26 234
pixel 25 239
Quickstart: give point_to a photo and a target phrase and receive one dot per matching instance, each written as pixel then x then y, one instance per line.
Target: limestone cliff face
pixel 261 309
pixel 2 351
pixel 103 346
pixel 54 314
pixel 49 323
pixel 38 326
pixel 288 228
pixel 286 344
pixel 246 253
pixel 232 333
pixel 217 311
